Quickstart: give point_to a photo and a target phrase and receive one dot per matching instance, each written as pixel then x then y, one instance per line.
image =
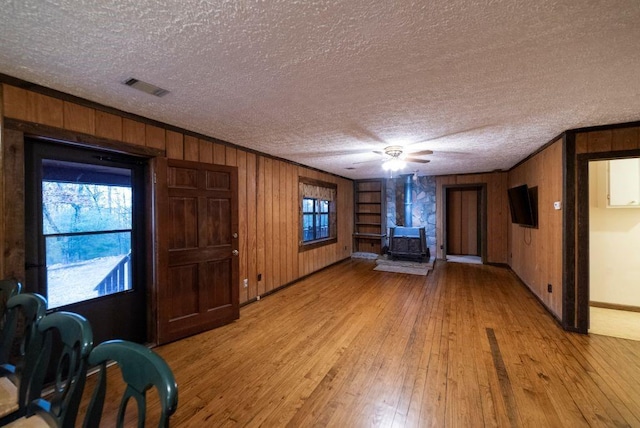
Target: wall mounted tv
pixel 523 202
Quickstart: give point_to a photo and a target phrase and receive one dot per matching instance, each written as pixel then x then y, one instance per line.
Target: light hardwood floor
pixel 348 347
pixel 616 323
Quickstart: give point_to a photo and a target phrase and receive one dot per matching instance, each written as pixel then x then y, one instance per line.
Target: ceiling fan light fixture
pixel 393 164
pixel 394 151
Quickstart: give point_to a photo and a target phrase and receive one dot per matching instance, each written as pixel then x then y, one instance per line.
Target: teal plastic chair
pixel 8 289
pixel 67 342
pixel 33 308
pixel 141 370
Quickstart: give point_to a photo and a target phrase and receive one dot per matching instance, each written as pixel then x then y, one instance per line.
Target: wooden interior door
pixel 463 221
pixel 197 247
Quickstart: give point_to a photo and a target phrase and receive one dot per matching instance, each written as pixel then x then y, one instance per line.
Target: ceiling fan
pixel 396 157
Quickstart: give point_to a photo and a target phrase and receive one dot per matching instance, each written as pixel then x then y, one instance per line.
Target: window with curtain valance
pixel 318 219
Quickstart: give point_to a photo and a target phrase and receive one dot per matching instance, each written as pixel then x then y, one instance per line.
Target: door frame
pixel 583 268
pixel 482 188
pixel 14 134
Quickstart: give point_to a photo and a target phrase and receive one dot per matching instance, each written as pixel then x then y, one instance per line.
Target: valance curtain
pixel 317 192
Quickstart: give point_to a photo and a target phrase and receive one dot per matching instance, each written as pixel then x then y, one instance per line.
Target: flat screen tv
pixel 523 202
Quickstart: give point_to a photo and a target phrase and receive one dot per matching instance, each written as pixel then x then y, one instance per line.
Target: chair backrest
pixel 8 289
pixel 141 369
pixel 18 362
pixel 33 308
pixel 67 342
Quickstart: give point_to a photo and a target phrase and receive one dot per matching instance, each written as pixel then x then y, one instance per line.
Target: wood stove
pixel 408 243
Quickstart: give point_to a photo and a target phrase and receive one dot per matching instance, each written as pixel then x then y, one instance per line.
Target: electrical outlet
pixel 549 288
pixel 245 283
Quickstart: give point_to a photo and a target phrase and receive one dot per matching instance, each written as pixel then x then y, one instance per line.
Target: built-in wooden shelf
pixel 370 216
pixel 369 235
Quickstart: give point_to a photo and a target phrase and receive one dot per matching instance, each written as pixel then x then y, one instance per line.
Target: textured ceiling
pixel 325 82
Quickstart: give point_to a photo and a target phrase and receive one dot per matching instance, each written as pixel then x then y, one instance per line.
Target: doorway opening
pixel 465 223
pixel 85 230
pixel 614 249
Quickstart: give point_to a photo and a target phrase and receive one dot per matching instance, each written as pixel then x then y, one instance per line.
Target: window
pixel 315 219
pixel 318 225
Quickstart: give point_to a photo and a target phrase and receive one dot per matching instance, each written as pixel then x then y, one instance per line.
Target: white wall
pixel 614 245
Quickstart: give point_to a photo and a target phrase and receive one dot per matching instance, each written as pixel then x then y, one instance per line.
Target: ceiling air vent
pixel 146 87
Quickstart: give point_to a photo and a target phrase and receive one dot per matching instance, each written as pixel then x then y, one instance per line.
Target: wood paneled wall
pixel 608 140
pixel 497 211
pixel 535 255
pixel 268 187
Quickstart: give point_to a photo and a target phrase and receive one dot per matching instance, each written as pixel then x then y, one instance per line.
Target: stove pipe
pixel 408 190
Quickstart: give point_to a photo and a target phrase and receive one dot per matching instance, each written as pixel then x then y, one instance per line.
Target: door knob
pixel 235 235
pixel 235 252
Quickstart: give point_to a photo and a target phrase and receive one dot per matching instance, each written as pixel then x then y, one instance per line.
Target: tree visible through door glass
pixel 86 217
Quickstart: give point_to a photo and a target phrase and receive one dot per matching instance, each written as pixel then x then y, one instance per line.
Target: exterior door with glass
pixel 85 236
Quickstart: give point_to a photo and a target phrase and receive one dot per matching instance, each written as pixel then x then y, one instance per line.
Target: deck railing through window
pixel 117 280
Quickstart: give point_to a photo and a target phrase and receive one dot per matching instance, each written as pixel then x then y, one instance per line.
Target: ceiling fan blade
pixel 321 154
pixel 416 160
pixel 367 161
pixel 422 153
pixel 451 134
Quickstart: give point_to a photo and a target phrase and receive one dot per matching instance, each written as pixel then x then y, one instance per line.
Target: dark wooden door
pixel 197 247
pixel 463 221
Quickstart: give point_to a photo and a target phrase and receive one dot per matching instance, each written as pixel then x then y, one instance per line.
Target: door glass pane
pixel 71 207
pixel 83 267
pixel 82 198
pixel 86 222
